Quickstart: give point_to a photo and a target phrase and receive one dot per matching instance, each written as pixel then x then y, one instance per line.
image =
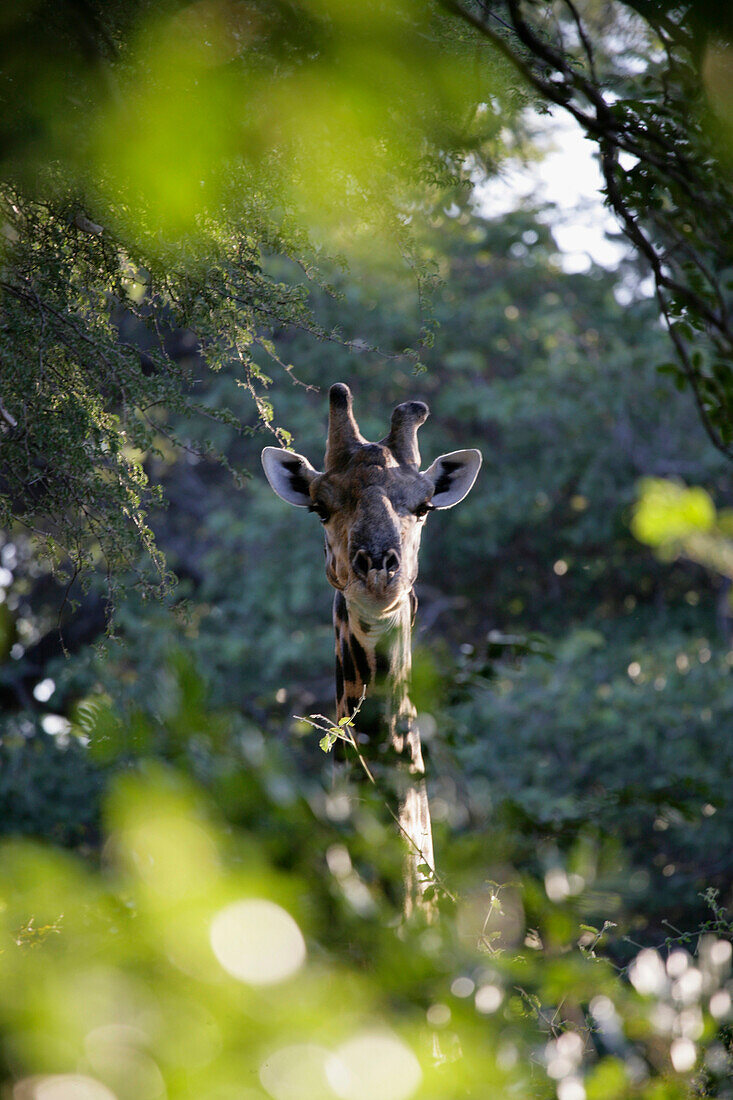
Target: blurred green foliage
pixel 182 183
pixel 670 513
pixel 149 110
pixel 266 960
pixel 681 521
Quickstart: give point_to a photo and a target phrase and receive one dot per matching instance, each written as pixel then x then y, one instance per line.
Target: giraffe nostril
pixel 361 563
pixel 391 562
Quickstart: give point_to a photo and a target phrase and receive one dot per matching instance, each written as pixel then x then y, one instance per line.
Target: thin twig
pixel 345 734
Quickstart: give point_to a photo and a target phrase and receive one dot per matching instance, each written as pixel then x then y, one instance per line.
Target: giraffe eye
pixel 423 509
pixel 321 511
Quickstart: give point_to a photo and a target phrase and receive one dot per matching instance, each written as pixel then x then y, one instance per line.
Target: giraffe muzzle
pixel 377 570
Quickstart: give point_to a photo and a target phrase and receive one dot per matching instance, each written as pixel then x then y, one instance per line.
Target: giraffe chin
pixel 378 592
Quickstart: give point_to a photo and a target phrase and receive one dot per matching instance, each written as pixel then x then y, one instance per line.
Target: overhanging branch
pixel 682 176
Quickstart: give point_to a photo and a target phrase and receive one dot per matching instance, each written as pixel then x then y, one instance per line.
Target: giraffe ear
pixel 289 475
pixel 453 476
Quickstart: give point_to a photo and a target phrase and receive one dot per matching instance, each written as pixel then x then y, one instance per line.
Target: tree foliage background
pixel 210 213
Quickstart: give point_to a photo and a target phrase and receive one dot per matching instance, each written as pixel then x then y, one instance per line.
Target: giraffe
pixel 373 501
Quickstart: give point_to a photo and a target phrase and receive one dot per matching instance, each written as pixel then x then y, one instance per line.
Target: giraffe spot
pixel 362 661
pixel 382 663
pixel 348 660
pixel 364 627
pixel 340 608
pixel 352 702
pixel 339 681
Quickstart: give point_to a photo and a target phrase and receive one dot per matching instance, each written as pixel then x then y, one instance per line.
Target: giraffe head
pixel 372 499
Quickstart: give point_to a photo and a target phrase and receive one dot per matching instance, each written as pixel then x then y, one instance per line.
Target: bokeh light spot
pixel 43 690
pixel 297 1072
pixel 677 963
pixel 683 1055
pixel 462 986
pixel 376 1064
pixel 257 942
pixel 62 1086
pixel 647 973
pixel 438 1015
pixel 720 1004
pixel 571 1088
pixel 720 952
pixel 488 999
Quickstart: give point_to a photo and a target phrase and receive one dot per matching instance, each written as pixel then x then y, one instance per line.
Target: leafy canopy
pixel 155 155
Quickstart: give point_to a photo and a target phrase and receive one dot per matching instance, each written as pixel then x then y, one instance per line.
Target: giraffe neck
pixel 374 655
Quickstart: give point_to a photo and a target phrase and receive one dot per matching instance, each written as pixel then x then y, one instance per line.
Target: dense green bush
pixel 49 786
pixel 622 741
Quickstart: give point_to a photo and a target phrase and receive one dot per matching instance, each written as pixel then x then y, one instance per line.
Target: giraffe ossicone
pixel 372 501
